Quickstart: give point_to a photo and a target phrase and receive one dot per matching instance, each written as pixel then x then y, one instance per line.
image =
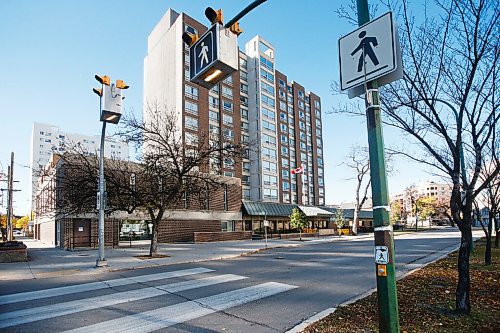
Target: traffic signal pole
pixel 384 239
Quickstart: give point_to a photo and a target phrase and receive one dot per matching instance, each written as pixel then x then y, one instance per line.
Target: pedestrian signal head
pixel 214 16
pixel 235 28
pixel 102 79
pixel 189 38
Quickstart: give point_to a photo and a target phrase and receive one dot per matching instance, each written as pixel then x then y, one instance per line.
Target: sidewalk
pixel 45 262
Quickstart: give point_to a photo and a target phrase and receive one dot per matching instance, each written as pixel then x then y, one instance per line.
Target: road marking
pixel 55 310
pixel 178 313
pixel 39 294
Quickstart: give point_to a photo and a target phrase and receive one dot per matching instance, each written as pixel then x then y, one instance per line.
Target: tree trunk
pixel 462 300
pixel 153 248
pixel 355 222
pixel 497 221
pixel 487 252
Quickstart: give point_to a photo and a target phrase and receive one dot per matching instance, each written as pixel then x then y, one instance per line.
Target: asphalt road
pixel 271 291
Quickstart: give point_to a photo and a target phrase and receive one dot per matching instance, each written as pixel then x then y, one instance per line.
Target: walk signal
pixel 214 16
pixel 102 79
pixel 189 38
pixel 235 29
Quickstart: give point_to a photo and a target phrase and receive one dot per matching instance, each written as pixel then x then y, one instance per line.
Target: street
pixel 270 291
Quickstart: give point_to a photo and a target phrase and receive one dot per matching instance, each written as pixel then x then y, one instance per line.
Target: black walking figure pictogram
pixel 366 44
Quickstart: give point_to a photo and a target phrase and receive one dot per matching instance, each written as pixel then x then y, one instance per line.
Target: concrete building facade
pixel 49 139
pixel 258 105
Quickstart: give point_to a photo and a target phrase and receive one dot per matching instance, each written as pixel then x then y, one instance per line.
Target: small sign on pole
pixel 381 255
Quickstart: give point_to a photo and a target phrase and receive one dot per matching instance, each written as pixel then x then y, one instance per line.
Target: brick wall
pixel 182 231
pixel 204 237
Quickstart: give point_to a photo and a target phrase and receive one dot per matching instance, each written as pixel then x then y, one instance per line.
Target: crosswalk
pixel 147 321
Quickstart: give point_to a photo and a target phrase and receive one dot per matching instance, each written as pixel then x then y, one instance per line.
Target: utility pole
pixel 9 197
pixel 384 239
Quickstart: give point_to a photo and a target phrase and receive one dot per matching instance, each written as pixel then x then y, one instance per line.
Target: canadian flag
pixel 298 170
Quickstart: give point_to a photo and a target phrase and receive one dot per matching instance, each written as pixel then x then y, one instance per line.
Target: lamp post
pixel 110 109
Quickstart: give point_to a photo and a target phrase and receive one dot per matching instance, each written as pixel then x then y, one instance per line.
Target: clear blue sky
pixel 51 50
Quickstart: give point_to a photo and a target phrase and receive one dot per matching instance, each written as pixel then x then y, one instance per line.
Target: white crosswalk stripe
pixel 174 314
pixel 147 321
pixel 55 310
pixel 39 294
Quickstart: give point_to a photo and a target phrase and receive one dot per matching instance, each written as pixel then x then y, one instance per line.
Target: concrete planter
pixel 13 252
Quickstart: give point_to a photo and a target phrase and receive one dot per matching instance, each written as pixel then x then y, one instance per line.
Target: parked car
pixel 18 233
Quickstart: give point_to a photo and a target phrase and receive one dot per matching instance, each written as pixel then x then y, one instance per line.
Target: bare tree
pixel 447 104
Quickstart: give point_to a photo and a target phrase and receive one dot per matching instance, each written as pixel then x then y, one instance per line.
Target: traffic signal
pixel 97 91
pixel 214 16
pixel 102 79
pixel 235 29
pixel 189 38
pixel 121 85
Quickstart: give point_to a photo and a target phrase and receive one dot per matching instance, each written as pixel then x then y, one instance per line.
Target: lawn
pixel 427 299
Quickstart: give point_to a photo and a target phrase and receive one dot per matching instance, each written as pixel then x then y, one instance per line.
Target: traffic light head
pixel 97 91
pixel 235 28
pixel 214 16
pixel 102 79
pixel 121 85
pixel 189 38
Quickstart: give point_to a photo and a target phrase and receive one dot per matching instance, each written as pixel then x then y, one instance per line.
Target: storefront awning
pixel 312 211
pixel 253 208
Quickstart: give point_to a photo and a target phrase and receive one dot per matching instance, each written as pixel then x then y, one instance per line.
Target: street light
pixel 110 109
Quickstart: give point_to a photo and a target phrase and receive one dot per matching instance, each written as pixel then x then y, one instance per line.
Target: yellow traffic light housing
pixel 97 91
pixel 121 85
pixel 102 79
pixel 235 28
pixel 189 38
pixel 214 16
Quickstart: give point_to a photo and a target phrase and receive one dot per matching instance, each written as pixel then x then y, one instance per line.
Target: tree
pixel 447 104
pixel 396 211
pixel 298 220
pixel 22 222
pixel 427 208
pixel 339 220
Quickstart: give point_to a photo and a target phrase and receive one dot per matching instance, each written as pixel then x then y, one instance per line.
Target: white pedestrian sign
pixel 368 53
pixel 381 255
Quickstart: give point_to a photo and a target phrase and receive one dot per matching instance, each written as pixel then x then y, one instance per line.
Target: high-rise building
pixel 277 117
pixel 49 139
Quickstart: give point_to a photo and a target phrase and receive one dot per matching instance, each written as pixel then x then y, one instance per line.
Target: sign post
pixel 368 55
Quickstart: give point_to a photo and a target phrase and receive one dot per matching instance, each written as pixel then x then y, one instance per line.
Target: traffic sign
pixel 381 255
pixel 213 57
pixel 368 53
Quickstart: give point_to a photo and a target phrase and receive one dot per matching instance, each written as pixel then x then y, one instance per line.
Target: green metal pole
pixel 386 278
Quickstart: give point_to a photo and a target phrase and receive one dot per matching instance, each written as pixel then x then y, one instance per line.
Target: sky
pixel 52 49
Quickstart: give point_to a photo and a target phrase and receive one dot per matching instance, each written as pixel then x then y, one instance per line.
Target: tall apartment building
pixel 277 117
pixel 49 139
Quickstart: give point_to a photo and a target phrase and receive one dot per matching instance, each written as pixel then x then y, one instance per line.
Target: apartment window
pixel 284 162
pixel 268 152
pixel 246 166
pixel 191 123
pixel 227 106
pixel 281 83
pixel 245 138
pixel 269 139
pixel 270 180
pixel 244 100
pixel 226 119
pixel 244 76
pixel 302 115
pixel 266 75
pixel 191 138
pixel 244 88
pixel 286 186
pixel 227 92
pixel 267 88
pixel 317 113
pixel 215 89
pixel 285 174
pixel 191 91
pixel 282 106
pixel 320 181
pixel 268 113
pixel 290 109
pixel 301 104
pixel 283 116
pixel 283 127
pixel 244 126
pixel 270 193
pixel 289 89
pixel 243 63
pixel 190 29
pixel 318 132
pixel 318 142
pixel 282 94
pixel 316 104
pixel 267 100
pixel 191 107
pixel 214 101
pixel 244 113
pixel 302 125
pixel 320 161
pixel 303 146
pixel 284 151
pixel 228 133
pixel 269 126
pixel 269 166
pixel 320 172
pixel 318 123
pixel 301 94
pixel 302 136
pixel 319 151
pixel 214 129
pixel 246 193
pixel 228 163
pixel 228 80
pixel 284 139
pixel 266 63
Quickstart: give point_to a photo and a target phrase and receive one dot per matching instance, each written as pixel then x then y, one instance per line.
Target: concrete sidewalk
pixel 45 262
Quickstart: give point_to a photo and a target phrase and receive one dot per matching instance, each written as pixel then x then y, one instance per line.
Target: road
pixel 270 291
